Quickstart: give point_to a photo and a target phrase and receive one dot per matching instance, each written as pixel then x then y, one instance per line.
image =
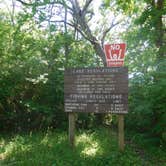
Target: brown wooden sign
pixel 99 90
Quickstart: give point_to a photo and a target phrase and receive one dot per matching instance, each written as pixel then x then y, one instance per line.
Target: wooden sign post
pixel 96 90
pixel 121 132
pixel 71 129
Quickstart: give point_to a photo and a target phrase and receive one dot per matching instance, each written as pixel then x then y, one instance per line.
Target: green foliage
pixel 80 57
pixel 97 147
pixel 129 7
pixel 147 146
pixel 28 71
pixel 147 106
pixel 147 71
pixel 31 76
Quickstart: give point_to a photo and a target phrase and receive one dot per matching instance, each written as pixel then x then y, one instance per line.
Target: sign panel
pixel 115 54
pixel 99 90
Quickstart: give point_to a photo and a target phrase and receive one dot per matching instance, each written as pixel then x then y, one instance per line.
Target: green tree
pixel 146 59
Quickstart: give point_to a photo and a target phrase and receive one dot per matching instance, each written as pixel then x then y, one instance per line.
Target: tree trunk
pixel 160 33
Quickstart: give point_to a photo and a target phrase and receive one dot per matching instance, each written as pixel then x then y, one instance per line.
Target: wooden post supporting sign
pixel 121 132
pixel 72 129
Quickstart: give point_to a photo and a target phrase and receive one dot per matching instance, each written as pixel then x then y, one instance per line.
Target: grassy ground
pixel 93 148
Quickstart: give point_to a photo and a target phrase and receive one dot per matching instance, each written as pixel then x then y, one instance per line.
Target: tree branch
pixel 74 26
pixel 88 2
pixel 24 3
pixel 107 30
pixel 42 3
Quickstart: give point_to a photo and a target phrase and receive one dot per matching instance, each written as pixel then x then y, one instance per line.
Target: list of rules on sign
pixel 98 90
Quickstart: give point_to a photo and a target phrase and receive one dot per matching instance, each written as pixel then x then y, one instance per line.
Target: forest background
pixel 40 38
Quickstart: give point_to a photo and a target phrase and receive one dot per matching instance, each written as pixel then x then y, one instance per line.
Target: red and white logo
pixel 115 54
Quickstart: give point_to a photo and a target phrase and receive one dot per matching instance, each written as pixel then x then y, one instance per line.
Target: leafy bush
pixel 147 105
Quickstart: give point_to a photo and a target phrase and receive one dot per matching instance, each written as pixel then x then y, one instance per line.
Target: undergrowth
pixel 97 147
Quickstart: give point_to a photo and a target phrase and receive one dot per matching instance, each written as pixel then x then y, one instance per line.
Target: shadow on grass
pixel 97 148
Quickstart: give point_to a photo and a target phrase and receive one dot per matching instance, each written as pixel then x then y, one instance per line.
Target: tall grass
pixel 94 148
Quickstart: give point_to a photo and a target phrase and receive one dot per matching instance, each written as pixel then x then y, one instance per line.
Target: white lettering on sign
pixel 116 55
pixel 115 47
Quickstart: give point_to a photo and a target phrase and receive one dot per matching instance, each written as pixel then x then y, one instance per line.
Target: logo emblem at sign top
pixel 115 54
